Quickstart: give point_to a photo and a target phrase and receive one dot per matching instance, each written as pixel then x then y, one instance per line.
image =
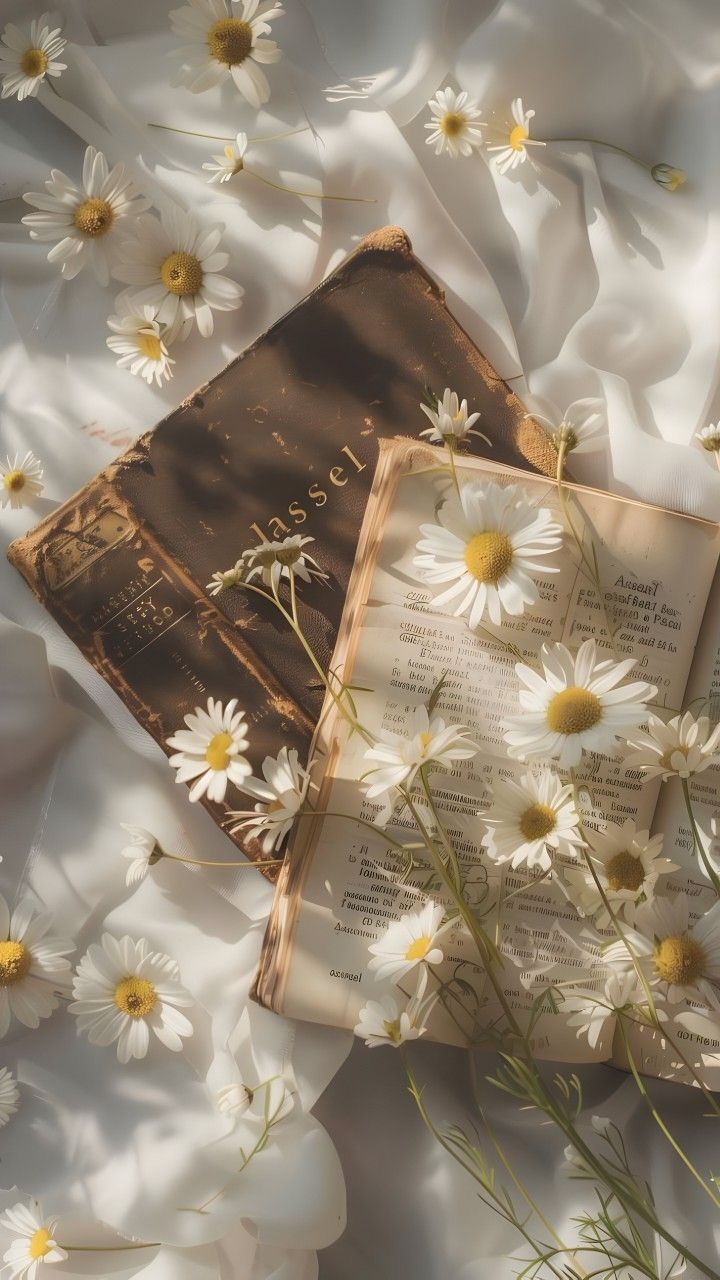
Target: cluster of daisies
pixel 171 263
pixel 457 129
pixel 221 41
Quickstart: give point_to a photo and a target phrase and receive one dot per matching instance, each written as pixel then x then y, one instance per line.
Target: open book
pixel 343 881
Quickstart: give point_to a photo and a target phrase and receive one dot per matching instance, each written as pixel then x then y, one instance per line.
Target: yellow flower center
pixel 666 759
pixel 216 752
pixel 14 481
pixel 675 178
pixel 625 871
pixel 288 555
pixel 573 711
pixel 230 40
pixel 679 960
pixel 392 1030
pixel 238 160
pixel 711 443
pixel 517 137
pixel 40 1243
pixel 181 273
pixel 135 996
pixel 488 556
pixel 537 821
pixel 34 63
pixel 274 805
pixel 425 740
pixel 452 124
pixel 94 217
pixel 419 948
pixel 15 961
pixel 149 345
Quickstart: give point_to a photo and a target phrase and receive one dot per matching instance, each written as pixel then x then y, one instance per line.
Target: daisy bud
pixel 666 175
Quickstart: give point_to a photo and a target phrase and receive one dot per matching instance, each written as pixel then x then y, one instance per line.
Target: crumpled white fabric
pixel 580 274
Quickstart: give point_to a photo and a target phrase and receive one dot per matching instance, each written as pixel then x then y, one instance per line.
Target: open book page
pixel 702 697
pixel 344 883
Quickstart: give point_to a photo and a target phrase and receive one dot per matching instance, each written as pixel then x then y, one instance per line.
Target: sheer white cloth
pixel 580 273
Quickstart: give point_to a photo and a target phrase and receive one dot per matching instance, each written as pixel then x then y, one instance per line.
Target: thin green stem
pixel 484 1182
pixel 222 137
pixel 699 848
pixel 659 1120
pixel 590 567
pixel 611 146
pixel 202 862
pixel 107 1248
pixel 314 195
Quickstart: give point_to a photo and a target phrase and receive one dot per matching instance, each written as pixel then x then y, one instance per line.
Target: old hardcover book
pixel 283 440
pixel 345 879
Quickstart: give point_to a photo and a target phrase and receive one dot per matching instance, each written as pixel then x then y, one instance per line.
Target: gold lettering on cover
pixel 298 514
pixel 278 526
pixel 318 495
pixel 359 466
pixel 335 475
pixel 256 529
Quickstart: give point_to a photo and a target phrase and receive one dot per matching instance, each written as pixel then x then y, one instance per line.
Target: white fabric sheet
pixel 581 274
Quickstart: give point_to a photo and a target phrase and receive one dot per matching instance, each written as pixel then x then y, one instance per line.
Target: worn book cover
pixel 284 440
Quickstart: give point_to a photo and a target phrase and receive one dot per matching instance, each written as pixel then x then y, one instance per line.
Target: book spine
pixel 150 632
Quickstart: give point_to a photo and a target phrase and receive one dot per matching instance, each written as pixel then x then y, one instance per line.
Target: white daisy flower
pixel 682 747
pixel 487 552
pixel 223 168
pixel 398 758
pixel 234 1100
pixel 123 991
pixel 512 150
pixel 530 818
pixel 142 853
pixel 86 221
pixel 590 1011
pixel 273 561
pixel 451 421
pixel 25 59
pixel 578 704
pixel 381 1022
pixel 220 45
pixel 455 125
pixel 682 959
pixel 9 1096
pixel 582 427
pixel 225 579
pixel 209 750
pixel 407 942
pixel 33 1243
pixel 172 264
pixel 280 793
pixel 137 339
pixel 20 479
pixel 33 965
pixel 709 437
pixel 628 863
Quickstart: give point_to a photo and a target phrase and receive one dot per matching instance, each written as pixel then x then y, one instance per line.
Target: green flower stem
pixel 485 1182
pixel 590 567
pixel 518 1183
pixel 221 137
pixel 313 195
pixel 699 849
pixel 364 822
pixel 659 1120
pixel 611 146
pixel 202 862
pixel 293 623
pixel 108 1248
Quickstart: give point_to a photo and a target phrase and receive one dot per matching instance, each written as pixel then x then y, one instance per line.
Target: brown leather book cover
pixel 284 440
